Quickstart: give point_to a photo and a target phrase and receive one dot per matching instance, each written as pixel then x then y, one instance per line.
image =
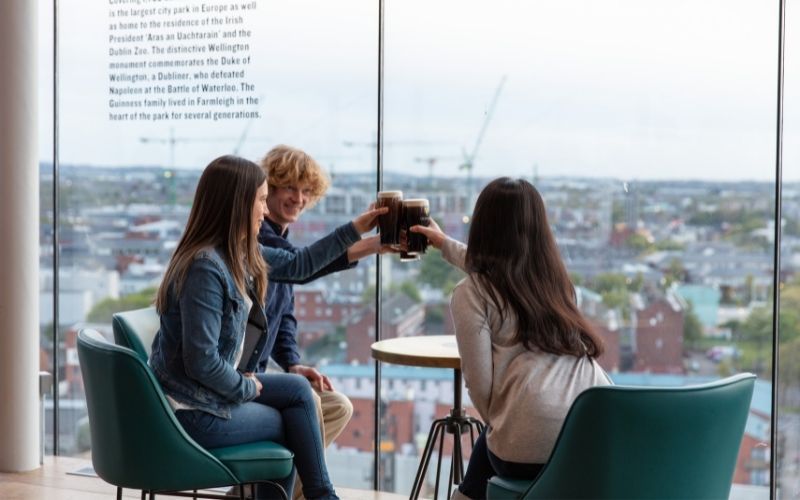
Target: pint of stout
pixel 416 212
pixel 389 223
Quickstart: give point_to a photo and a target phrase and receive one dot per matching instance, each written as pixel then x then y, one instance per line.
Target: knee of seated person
pixel 317 399
pixel 300 383
pixel 339 406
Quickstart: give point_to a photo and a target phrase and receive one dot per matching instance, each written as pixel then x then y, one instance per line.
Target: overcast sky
pixel 631 89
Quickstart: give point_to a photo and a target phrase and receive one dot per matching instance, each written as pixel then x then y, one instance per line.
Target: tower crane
pixel 432 161
pixel 469 158
pixel 171 141
pixel 374 144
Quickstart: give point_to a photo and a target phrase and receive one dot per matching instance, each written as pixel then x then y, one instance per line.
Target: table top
pixel 436 351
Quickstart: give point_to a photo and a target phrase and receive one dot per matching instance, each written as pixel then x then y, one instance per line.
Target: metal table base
pixel 456 424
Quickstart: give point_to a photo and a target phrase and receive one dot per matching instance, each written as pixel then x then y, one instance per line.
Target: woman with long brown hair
pixel 526 350
pixel 212 292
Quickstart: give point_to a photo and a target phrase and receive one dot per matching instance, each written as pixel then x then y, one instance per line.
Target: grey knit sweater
pixel 522 395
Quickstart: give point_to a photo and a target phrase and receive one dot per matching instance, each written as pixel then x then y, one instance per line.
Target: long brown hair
pixel 512 254
pixel 221 217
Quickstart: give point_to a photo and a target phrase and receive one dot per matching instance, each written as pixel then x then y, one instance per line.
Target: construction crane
pixel 171 141
pixel 469 158
pixel 374 145
pixel 431 161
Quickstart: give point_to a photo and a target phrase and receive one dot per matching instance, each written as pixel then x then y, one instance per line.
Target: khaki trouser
pixel 333 411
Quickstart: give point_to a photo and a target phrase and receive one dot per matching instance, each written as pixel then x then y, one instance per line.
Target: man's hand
pixel 318 381
pixel 368 246
pixel 369 219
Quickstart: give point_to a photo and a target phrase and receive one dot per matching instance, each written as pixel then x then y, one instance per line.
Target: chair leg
pixel 144 495
pixel 119 492
pixel 194 496
pixel 284 495
pixel 241 492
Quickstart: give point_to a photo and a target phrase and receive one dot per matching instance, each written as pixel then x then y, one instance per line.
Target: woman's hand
pixel 369 219
pixel 433 232
pixel 252 376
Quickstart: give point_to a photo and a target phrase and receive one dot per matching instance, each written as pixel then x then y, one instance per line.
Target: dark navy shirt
pixel 281 324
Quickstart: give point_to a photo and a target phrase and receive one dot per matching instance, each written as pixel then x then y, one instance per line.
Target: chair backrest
pixel 136 329
pixel 649 442
pixel 136 440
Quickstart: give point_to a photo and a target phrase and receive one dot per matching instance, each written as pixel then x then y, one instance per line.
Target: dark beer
pixel 416 212
pixel 389 223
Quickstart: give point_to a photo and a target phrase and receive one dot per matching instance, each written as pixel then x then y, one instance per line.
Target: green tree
pixel 613 287
pixel 640 243
pixel 692 327
pixel 438 273
pixel 756 333
pixel 102 311
pixel 409 288
pixel 605 282
pixel 636 283
pixel 675 273
pixel 619 298
pixel 411 291
pixel 669 245
pixel 790 312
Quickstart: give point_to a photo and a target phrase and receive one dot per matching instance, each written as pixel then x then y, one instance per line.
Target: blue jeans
pixel 483 464
pixel 284 412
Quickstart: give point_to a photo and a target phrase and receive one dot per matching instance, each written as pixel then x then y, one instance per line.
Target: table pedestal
pixel 456 424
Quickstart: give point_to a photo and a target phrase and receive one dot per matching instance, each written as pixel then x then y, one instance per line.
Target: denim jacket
pixel 194 349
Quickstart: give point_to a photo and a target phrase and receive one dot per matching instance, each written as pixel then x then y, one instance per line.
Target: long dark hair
pixel 221 217
pixel 512 254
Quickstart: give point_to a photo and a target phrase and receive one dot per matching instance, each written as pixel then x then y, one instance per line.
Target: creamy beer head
pixel 389 223
pixel 390 194
pixel 417 202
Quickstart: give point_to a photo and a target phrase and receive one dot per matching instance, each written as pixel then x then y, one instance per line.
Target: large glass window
pixel 649 129
pixel 150 95
pixel 647 126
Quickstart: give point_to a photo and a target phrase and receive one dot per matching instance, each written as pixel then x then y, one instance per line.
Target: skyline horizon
pixel 406 173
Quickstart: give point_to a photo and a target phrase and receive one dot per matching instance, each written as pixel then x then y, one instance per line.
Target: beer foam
pixel 415 202
pixel 390 194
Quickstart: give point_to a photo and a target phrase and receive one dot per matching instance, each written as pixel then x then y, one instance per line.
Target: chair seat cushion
pixel 258 461
pixel 500 487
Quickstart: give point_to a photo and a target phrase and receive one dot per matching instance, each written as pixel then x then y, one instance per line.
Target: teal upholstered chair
pixel 644 443
pixel 136 329
pixel 138 443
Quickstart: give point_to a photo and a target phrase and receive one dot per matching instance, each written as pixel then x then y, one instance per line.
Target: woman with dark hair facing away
pixel 215 280
pixel 526 350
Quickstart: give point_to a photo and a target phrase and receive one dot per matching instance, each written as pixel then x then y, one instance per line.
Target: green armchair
pixel 138 443
pixel 136 329
pixel 644 443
